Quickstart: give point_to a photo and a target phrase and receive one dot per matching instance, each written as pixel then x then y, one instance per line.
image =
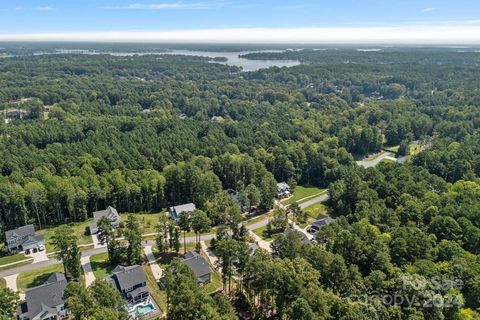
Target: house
pixel 283 190
pixel 45 302
pixel 216 119
pixel 15 113
pixel 111 213
pixel 24 239
pixel 131 282
pixel 174 212
pixel 197 263
pixel 319 223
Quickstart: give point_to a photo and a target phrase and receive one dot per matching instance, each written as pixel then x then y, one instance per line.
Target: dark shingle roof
pixel 45 298
pixel 322 221
pixel 128 277
pixel 21 232
pixel 196 263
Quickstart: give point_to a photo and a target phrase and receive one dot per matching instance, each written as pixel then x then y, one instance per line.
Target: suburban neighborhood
pixel 46 300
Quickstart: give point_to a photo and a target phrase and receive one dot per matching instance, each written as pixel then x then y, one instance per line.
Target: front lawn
pixel 101 267
pixel 302 194
pixel 13 258
pixel 37 277
pixel 314 210
pixel 3 283
pixel 261 232
pixel 80 229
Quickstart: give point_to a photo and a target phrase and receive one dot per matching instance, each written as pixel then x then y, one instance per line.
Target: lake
pixel 235 60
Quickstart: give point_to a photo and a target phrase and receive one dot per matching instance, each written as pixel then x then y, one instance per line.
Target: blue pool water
pixel 142 310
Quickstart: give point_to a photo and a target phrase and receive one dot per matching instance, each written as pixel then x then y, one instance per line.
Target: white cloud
pixel 429 9
pixel 45 8
pixel 161 6
pixel 407 34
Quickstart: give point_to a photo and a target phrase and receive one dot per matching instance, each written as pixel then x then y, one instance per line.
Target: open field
pixel 303 193
pixel 33 278
pixel 148 221
pixel 80 229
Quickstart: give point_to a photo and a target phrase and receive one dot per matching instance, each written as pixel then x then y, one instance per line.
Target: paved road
pixel 28 267
pixel 374 162
pixel 313 201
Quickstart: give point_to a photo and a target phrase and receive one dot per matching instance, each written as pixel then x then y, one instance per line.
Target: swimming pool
pixel 142 310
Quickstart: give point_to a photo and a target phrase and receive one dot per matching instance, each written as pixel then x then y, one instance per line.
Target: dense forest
pixel 144 132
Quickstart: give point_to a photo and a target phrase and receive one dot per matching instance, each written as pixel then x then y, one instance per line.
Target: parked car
pixel 41 248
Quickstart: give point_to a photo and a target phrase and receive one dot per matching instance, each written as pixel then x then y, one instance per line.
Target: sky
pixel 255 21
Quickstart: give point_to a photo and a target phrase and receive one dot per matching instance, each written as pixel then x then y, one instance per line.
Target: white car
pixel 41 247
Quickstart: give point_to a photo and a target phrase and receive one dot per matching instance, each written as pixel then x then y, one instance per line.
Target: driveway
pixel 152 261
pixel 212 257
pixel 87 269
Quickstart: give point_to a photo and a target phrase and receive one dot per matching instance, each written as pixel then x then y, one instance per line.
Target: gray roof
pixel 128 277
pixel 282 186
pixel 21 232
pixel 196 263
pixel 176 210
pixel 322 221
pixel 43 300
pixel 110 212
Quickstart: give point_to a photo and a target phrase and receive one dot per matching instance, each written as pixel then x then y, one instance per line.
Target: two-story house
pixel 112 215
pixel 174 212
pixel 45 302
pixel 131 282
pixel 24 239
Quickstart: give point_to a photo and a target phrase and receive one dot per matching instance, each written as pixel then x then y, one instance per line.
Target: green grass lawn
pixel 259 218
pixel 314 210
pixel 392 148
pixel 33 278
pixel 80 229
pixel 160 296
pixel 301 194
pixel 13 258
pixel 100 265
pixel 416 149
pixel 148 221
pixel 260 232
pixel 3 283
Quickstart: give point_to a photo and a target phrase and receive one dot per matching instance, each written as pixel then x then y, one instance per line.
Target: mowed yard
pixel 37 277
pixel 303 193
pixel 79 228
